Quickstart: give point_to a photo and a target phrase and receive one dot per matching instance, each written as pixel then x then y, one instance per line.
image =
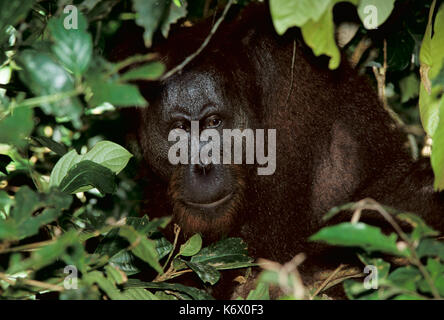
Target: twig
pixel 202 46
pixel 326 281
pixel 176 236
pixel 362 46
pixel 27 247
pixel 292 72
pixel 33 283
pixel 380 75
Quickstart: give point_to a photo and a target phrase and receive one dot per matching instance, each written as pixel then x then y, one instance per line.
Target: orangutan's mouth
pixel 210 205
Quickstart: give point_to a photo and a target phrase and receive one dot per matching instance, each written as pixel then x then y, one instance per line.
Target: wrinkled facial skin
pixel 205 198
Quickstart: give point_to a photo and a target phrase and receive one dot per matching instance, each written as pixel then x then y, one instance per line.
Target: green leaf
pixel 287 14
pixel 73 47
pixel 118 94
pixel 114 274
pixel 142 247
pixel 359 235
pixel 138 294
pixel 149 71
pixel 4 161
pixel 192 246
pixel 149 16
pixel 54 146
pixel 429 107
pixel 432 48
pixel 382 266
pixel 176 12
pixel 163 247
pixel 420 228
pixel 106 153
pixel 437 157
pixel 194 293
pixel 125 261
pixel 405 277
pixel 114 246
pixel 21 222
pixel 430 100
pixel 430 248
pixel 15 127
pixel 86 175
pixel 44 76
pixel 110 155
pixel 206 273
pixel 409 87
pixel 320 36
pixel 373 13
pixel 106 284
pixel 230 253
pixel 260 293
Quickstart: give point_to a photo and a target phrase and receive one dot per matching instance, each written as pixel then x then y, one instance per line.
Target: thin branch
pixel 292 72
pixel 176 236
pixel 202 46
pixel 362 46
pixel 33 283
pixel 380 75
pixel 327 281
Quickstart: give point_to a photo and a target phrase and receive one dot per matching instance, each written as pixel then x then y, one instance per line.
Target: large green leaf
pixel 149 16
pixel 359 235
pixel 229 253
pixel 380 8
pixel 105 153
pixel 138 294
pixel 207 273
pixel 44 76
pixel 73 47
pixel 432 48
pixel 149 71
pixel 405 277
pixel 118 94
pixel 176 12
pixel 437 157
pixel 194 293
pixel 87 175
pixel 409 87
pixel 261 292
pixel 287 14
pixel 319 35
pixel 15 127
pixel 430 248
pixel 56 147
pixel 315 18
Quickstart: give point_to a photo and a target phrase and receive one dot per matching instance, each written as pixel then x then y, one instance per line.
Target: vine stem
pixel 202 46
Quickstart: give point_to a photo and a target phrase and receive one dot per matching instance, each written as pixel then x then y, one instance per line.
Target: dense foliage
pixel 69 203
